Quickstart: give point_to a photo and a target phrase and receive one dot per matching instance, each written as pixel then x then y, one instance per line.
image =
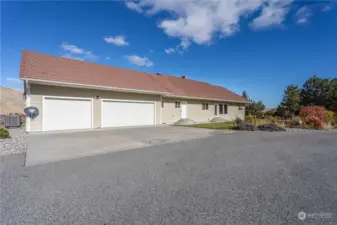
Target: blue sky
pixel 259 46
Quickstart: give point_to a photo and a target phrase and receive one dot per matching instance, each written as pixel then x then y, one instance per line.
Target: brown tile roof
pixel 58 69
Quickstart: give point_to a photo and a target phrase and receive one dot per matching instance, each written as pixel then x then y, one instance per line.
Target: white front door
pixel 66 114
pixel 183 110
pixel 119 113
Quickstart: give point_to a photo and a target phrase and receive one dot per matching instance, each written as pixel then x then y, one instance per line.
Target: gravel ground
pixel 239 178
pixel 16 144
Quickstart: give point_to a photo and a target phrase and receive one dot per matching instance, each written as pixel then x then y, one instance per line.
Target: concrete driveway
pixel 50 147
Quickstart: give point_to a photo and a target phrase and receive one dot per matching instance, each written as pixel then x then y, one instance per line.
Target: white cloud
pixel 74 52
pixel 199 21
pixel 134 6
pixel 13 79
pixel 108 58
pixel 169 50
pixel 69 56
pixel 139 61
pixel 302 15
pixel 180 48
pixel 273 14
pixel 117 40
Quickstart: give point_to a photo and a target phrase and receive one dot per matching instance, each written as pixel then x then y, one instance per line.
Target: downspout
pixel 27 103
pixel 161 110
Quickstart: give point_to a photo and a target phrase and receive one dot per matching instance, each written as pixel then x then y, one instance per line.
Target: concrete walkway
pixel 50 147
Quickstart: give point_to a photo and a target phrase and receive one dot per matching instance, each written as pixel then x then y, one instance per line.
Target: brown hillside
pixel 11 100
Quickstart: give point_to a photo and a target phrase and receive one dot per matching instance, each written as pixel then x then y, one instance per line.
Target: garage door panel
pixel 66 114
pixel 123 113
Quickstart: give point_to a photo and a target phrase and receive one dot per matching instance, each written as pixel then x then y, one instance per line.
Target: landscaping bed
pixel 265 127
pixel 218 126
pixel 234 126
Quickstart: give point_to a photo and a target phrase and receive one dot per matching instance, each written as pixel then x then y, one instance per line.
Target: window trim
pixel 205 106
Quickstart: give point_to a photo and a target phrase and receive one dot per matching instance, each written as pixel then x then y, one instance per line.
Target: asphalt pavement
pixel 239 178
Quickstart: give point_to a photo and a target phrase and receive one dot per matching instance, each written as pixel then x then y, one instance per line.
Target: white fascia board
pixel 206 99
pixel 165 94
pixel 68 84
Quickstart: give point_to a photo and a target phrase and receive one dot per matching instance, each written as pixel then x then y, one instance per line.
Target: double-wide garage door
pixel 127 113
pixel 66 114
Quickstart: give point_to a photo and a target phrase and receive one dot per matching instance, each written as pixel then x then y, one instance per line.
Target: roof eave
pixel 99 87
pixel 165 94
pixel 203 98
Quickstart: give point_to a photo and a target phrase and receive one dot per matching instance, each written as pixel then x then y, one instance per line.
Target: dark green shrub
pixel 4 133
pixel 238 121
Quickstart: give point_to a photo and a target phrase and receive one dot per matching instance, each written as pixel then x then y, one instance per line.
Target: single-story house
pixel 73 94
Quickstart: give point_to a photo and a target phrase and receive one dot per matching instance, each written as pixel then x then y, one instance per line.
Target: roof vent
pixel 158 74
pixel 184 77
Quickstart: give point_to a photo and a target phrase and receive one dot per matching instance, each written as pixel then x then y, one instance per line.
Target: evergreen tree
pixel 255 108
pixel 245 95
pixel 291 102
pixel 314 91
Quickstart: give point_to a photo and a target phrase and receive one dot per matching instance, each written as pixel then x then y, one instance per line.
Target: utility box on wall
pixel 12 121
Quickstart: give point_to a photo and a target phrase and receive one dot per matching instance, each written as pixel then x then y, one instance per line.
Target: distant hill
pixel 11 100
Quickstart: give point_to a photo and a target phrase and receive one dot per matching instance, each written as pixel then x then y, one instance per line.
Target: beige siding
pixel 36 123
pixel 195 112
pixel 167 115
pixel 38 91
pixel 234 112
pixel 170 114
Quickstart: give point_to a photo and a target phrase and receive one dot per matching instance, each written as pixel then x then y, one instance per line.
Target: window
pixel 204 106
pixel 240 108
pixel 177 104
pixel 225 109
pixel 162 104
pixel 220 109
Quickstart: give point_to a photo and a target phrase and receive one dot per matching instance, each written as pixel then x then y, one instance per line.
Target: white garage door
pixel 66 114
pixel 126 113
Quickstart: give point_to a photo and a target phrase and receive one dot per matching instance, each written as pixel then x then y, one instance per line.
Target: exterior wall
pixel 170 114
pixel 38 91
pixel 234 112
pixel 167 115
pixel 196 113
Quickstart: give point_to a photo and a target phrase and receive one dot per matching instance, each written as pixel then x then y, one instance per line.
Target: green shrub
pixel 238 121
pixel 4 133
